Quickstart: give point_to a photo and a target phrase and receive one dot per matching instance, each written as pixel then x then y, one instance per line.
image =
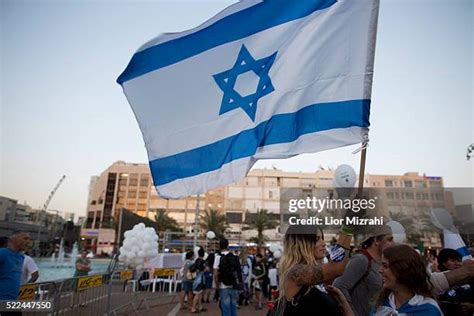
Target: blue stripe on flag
pixel 241 24
pixel 463 251
pixel 281 128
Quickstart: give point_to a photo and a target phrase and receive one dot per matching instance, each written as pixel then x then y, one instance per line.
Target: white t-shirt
pixel 217 261
pixel 29 267
pixel 272 275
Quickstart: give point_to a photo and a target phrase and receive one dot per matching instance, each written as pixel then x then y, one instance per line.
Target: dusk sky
pixel 63 113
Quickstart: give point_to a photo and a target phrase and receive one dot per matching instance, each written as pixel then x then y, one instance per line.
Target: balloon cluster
pixel 276 249
pixel 140 244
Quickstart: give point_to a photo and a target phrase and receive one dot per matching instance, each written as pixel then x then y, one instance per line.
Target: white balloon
pixel 141 254
pixel 149 246
pixel 210 234
pixel 154 253
pixel 122 257
pixel 277 254
pixel 127 233
pixel 135 249
pixel 398 231
pixel 138 260
pixel 183 256
pixel 273 247
pixel 344 177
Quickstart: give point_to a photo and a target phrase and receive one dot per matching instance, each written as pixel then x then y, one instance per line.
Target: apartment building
pixel 129 186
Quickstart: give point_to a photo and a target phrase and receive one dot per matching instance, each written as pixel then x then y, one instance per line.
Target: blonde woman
pixel 301 267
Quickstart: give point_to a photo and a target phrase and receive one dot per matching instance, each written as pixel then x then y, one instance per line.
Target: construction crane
pixel 45 208
pixel 46 204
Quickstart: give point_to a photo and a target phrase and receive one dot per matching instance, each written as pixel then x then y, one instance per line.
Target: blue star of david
pixel 226 81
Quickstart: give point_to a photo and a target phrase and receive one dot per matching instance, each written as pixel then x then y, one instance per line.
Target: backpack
pixel 229 270
pixel 191 273
pixel 369 266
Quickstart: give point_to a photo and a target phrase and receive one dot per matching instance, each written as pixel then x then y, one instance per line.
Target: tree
pixel 260 221
pixel 213 220
pixel 164 222
pixel 405 220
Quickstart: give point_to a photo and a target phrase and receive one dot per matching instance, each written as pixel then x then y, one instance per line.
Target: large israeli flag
pixel 261 79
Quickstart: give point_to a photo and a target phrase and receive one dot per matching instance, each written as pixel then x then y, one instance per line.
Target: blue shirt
pixel 11 265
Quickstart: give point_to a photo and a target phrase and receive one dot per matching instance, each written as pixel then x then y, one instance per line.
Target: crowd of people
pixel 238 277
pixel 18 268
pixel 379 277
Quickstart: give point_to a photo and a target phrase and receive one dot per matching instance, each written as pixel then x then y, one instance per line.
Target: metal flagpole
pixel 363 156
pixel 196 223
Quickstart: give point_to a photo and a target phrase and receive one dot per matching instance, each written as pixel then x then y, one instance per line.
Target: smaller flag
pixel 454 241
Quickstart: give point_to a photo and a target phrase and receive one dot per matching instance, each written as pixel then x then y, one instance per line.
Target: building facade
pixel 129 186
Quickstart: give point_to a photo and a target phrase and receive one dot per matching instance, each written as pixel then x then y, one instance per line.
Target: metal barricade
pixel 42 291
pixel 132 290
pixel 82 296
pixel 122 292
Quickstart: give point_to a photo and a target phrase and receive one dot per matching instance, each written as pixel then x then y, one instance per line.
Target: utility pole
pixel 196 223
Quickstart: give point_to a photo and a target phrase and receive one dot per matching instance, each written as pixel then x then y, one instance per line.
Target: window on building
pixel 408 184
pixel 270 194
pixel 234 217
pixel 389 183
pixel 435 184
pixel 420 184
pixel 390 195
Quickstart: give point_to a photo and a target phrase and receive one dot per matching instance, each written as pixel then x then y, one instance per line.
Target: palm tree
pixel 260 222
pixel 213 220
pixel 404 219
pixel 164 222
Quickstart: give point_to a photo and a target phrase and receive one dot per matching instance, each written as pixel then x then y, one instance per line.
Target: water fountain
pixel 74 253
pixel 57 261
pixel 60 261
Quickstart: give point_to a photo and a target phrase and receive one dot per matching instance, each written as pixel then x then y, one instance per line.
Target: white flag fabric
pixel 261 79
pixel 454 241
